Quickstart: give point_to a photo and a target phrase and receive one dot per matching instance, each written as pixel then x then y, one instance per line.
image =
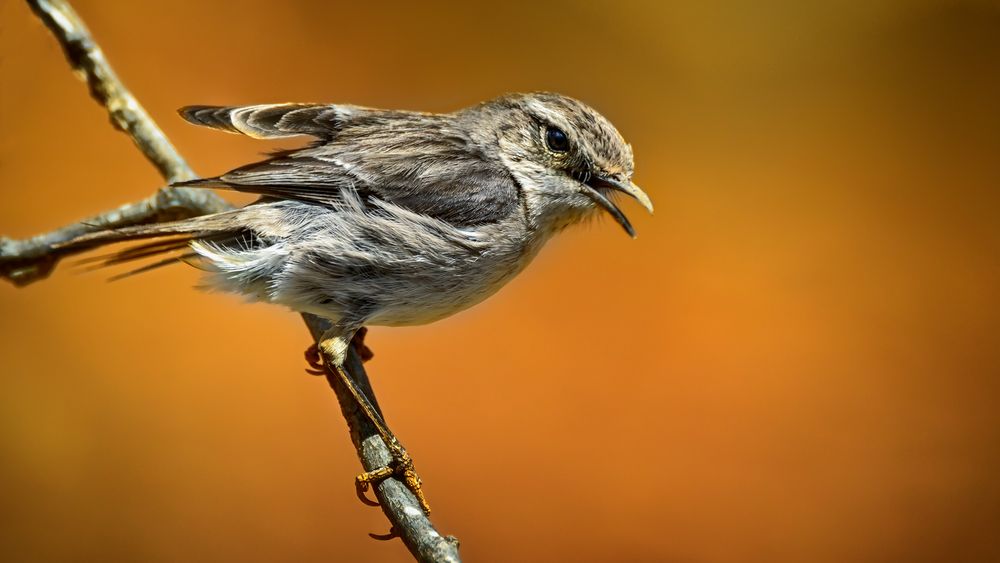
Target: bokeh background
pixel 797 360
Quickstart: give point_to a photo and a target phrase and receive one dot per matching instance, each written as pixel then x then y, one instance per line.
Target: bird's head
pixel 569 159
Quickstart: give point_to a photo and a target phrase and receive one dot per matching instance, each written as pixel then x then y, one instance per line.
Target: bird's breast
pixel 467 281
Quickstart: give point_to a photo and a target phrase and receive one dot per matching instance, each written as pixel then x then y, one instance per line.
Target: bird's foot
pixel 400 467
pixel 364 352
pixel 315 359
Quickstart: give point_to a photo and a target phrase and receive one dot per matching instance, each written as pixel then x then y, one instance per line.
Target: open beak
pixel 590 188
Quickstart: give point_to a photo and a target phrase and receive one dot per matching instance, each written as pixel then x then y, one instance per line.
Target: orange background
pixel 796 361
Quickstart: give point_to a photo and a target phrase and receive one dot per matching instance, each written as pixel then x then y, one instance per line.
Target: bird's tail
pixel 169 242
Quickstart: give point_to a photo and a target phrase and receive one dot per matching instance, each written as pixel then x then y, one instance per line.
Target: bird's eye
pixel 556 139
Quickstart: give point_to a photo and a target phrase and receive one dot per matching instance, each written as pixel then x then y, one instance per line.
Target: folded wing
pixel 272 121
pixel 423 162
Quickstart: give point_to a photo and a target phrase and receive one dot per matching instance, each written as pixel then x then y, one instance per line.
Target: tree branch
pixel 29 260
pixel 124 110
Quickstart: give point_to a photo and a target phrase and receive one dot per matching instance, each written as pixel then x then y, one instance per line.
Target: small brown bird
pixel 395 217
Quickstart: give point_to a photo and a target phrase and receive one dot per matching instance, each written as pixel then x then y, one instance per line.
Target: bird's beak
pixel 596 181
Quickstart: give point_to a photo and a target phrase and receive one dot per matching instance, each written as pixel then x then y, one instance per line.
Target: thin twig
pixel 28 260
pixel 400 506
pixel 33 259
pixel 126 114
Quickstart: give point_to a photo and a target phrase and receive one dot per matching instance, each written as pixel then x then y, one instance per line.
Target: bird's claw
pixel 400 467
pixel 364 352
pixel 361 487
pixel 315 359
pixel 392 534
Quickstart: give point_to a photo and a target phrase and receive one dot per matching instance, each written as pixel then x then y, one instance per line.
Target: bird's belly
pixel 398 271
pixel 422 303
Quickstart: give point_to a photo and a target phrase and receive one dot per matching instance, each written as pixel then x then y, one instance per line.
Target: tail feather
pixel 206 224
pixel 133 253
pixel 169 237
pixel 153 266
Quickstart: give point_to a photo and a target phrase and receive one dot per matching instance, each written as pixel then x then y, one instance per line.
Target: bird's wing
pixel 272 121
pixel 420 162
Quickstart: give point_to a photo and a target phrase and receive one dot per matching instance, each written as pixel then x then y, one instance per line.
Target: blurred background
pixel 796 361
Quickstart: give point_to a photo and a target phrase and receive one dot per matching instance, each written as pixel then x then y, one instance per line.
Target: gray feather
pixel 425 163
pixel 271 121
pixel 390 217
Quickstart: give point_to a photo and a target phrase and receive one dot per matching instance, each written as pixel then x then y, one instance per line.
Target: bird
pixel 392 218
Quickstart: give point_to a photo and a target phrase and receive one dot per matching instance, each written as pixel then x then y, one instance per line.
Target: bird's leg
pixel 333 347
pixel 316 363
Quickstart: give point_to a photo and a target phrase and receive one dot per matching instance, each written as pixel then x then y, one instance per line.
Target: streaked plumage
pixel 394 217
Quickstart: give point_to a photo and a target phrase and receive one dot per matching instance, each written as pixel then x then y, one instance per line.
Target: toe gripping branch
pixel 401 465
pixel 315 359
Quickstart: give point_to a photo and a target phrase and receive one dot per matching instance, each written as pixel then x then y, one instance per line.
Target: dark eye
pixel 556 139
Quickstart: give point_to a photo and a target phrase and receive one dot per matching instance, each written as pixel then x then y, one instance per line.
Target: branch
pixel 409 521
pixel 126 114
pixel 29 260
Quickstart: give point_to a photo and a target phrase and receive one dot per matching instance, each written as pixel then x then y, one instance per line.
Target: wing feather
pixel 272 121
pixel 423 162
